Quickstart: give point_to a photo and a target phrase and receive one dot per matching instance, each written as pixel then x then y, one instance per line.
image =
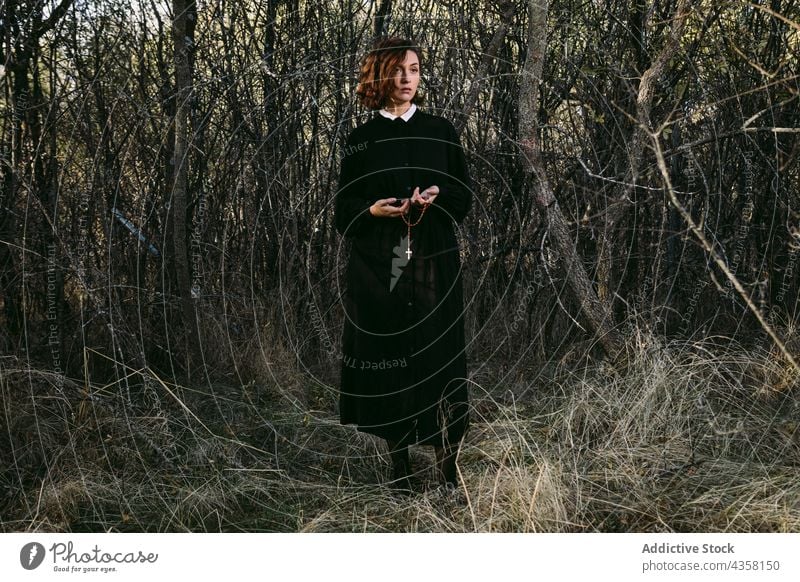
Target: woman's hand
pixel 425 197
pixel 384 208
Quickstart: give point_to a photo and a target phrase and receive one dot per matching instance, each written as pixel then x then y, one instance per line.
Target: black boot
pixel 401 467
pixel 446 465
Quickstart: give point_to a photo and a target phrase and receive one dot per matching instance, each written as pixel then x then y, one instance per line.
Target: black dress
pixel 403 371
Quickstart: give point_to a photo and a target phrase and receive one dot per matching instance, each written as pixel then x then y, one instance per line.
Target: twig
pixel 771 12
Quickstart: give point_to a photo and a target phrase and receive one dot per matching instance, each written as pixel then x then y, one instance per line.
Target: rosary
pixel 409 224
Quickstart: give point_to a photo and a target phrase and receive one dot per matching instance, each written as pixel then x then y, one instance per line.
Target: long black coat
pixel 403 371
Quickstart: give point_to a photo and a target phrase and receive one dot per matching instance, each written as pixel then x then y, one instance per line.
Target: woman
pixel 403 186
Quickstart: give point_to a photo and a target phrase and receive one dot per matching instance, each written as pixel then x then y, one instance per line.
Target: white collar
pixel 406 116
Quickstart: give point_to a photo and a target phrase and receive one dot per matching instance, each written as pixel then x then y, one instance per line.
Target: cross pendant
pixel 408 251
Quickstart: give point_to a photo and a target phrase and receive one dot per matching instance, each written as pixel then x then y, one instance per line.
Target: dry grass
pixel 697 436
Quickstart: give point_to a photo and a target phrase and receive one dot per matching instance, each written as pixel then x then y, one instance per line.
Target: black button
pixel 405 163
pixel 410 304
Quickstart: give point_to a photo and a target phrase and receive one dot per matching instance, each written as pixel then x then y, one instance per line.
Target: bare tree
pixel 22 28
pixel 596 312
pixel 185 17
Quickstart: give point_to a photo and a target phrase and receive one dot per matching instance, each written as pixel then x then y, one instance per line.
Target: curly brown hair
pixel 375 81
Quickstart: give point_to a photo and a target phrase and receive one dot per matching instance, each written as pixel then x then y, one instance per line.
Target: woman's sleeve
pixel 351 208
pixel 455 197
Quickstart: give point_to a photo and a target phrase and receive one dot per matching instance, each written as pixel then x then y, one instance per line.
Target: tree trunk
pixel 617 209
pixel 10 273
pixel 382 18
pixel 597 312
pixel 185 12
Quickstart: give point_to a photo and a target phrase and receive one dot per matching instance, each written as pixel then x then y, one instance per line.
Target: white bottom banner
pixel 400 557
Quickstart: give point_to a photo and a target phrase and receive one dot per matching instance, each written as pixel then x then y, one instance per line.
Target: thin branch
pixel 54 17
pixel 715 256
pixel 771 12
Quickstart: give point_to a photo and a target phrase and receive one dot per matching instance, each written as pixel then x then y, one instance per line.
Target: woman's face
pixel 406 80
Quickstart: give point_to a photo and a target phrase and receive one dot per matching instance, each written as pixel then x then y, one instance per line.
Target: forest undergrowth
pixel 693 436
